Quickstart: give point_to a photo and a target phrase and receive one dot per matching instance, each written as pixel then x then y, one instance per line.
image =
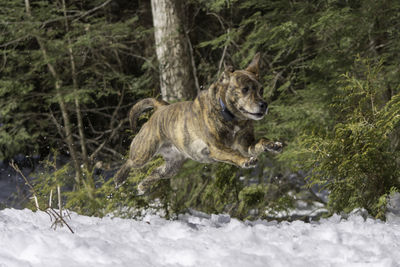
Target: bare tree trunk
pixel 176 80
pixel 57 84
pixel 75 88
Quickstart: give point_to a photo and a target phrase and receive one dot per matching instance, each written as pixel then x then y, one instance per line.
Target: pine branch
pixel 76 16
pixel 93 10
pixel 14 41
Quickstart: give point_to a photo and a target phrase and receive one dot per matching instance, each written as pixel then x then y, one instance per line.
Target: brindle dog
pixel 216 126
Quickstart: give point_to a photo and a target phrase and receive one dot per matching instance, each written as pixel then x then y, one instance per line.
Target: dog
pixel 216 127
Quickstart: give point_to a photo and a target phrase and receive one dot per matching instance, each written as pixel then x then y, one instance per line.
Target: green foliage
pixel 101 81
pixel 251 197
pixel 210 188
pixel 358 161
pixel 95 196
pixel 223 188
pixel 48 179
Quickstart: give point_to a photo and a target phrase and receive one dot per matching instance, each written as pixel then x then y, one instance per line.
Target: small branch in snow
pixel 57 216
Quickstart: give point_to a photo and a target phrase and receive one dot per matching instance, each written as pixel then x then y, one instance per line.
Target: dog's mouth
pixel 258 115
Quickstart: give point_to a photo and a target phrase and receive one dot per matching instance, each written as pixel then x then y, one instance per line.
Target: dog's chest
pixel 199 151
pixel 228 136
pixel 235 130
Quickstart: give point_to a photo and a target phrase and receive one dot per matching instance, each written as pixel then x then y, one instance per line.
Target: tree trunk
pixel 176 77
pixel 75 88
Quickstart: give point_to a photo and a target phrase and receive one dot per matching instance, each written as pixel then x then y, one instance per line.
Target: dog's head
pixel 244 93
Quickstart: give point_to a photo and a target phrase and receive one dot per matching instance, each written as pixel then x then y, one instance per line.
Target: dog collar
pixel 225 112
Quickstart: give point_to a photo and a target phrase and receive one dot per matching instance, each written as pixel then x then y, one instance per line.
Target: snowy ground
pixel 26 239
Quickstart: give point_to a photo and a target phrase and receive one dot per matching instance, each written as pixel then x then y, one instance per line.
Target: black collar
pixel 225 112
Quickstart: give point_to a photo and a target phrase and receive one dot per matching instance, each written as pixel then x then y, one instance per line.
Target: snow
pixel 26 239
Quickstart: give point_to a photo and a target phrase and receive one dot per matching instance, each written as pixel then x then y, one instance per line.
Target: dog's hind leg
pixel 173 162
pixel 165 171
pixel 122 174
pixel 143 147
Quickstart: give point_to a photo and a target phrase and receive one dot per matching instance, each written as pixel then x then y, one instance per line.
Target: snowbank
pixel 26 239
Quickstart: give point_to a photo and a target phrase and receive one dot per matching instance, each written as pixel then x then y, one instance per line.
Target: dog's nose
pixel 263 105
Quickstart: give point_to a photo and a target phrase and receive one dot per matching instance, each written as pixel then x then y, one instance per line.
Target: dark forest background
pixel 70 70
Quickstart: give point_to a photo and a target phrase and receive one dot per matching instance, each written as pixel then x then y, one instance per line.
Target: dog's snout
pixel 263 105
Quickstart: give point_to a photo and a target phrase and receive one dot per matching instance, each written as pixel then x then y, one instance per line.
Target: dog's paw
pixel 141 190
pixel 118 184
pixel 274 147
pixel 250 163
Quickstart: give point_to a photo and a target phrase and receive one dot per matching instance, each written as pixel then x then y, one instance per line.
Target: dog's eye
pixel 245 90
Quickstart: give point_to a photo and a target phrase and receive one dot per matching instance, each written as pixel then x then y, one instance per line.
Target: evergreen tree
pixel 358 161
pixel 66 78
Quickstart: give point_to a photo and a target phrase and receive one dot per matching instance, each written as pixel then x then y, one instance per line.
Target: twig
pixel 111 127
pixel 49 210
pixel 115 154
pixel 93 10
pixel 50 197
pixel 76 16
pixel 59 200
pixel 218 18
pixel 13 41
pixel 102 145
pixel 223 54
pixel 142 58
pixel 36 202
pixel 226 44
pixel 4 60
pixel 58 126
pixel 194 69
pixel 16 168
pixel 106 108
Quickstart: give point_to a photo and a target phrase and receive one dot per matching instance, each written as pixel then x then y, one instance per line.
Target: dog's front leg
pixel 265 145
pixel 247 145
pixel 228 155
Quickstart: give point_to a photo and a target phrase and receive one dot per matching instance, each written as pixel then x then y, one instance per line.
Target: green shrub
pixel 211 188
pixel 358 162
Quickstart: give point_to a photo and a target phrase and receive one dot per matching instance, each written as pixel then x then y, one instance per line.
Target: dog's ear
pixel 229 68
pixel 254 66
pixel 225 76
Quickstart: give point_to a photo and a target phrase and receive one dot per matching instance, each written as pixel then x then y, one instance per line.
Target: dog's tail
pixel 142 106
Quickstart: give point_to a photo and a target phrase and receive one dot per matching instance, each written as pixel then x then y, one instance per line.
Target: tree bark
pixel 176 76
